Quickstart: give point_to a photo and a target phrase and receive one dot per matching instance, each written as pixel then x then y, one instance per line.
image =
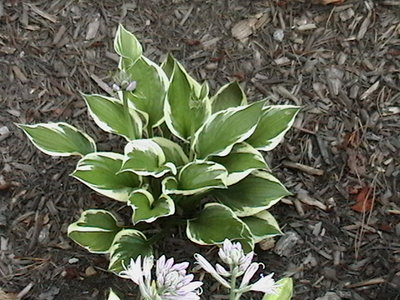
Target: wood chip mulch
pixel 340 62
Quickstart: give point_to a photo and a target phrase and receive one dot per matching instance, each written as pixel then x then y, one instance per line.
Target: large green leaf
pixel 185 110
pixel 240 162
pixel 128 243
pixel 230 95
pixel 145 208
pixel 262 225
pixel 215 223
pixel 109 115
pixel 173 152
pixel 144 157
pixel 59 139
pixel 151 90
pixel 256 192
pixel 196 177
pixel 127 46
pixel 99 172
pixel 95 230
pixel 225 128
pixel 284 291
pixel 274 123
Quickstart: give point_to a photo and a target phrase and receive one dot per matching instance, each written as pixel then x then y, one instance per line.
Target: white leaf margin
pixel 55 127
pixel 147 145
pixel 151 200
pixel 119 196
pixel 213 166
pixel 73 227
pixel 228 112
pixel 103 125
pixel 276 140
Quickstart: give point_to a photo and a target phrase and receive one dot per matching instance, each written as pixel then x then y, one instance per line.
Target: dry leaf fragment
pixel 92 28
pixel 364 200
pixel 243 29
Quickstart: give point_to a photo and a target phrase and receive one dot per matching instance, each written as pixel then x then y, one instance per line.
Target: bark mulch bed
pixel 341 160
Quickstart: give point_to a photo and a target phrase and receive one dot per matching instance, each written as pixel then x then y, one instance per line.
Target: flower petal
pixel 266 284
pixel 222 271
pixel 180 266
pixel 251 270
pixel 210 269
pixel 191 287
pixel 246 261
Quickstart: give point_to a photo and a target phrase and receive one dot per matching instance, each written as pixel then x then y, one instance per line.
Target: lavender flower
pixel 239 264
pixel 123 82
pixel 131 86
pixel 116 87
pixel 171 281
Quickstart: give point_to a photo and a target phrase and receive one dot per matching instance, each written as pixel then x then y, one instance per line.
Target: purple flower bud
pixel 131 86
pixel 116 87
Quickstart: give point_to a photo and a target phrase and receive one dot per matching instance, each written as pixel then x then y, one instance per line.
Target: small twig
pixel 25 291
pixel 366 283
pixel 43 14
pixel 184 19
pixel 104 86
pixel 303 168
pixel 303 196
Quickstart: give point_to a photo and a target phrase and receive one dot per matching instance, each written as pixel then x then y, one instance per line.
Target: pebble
pixel 73 260
pixel 279 35
pixel 211 66
pixel 90 271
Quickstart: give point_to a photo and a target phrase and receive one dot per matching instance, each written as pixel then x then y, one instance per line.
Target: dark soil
pixel 340 63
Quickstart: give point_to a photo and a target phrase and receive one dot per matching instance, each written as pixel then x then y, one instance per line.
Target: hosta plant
pixel 190 159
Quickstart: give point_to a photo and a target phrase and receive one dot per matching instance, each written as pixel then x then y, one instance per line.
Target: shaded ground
pixel 340 63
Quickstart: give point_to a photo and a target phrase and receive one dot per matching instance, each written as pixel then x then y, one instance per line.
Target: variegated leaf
pixel 151 90
pixel 240 162
pixel 168 65
pixel 230 95
pixel 145 157
pixel 195 178
pixel 128 244
pixel 215 223
pixel 284 290
pixel 95 230
pixel 173 152
pixel 99 172
pixel 274 123
pixel 184 111
pixel 127 46
pixel 146 209
pixel 113 296
pixel 262 225
pixel 226 128
pixel 109 115
pixel 256 192
pixel 59 139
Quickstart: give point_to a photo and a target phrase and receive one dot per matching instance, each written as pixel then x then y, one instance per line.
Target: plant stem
pixel 232 294
pixel 131 132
